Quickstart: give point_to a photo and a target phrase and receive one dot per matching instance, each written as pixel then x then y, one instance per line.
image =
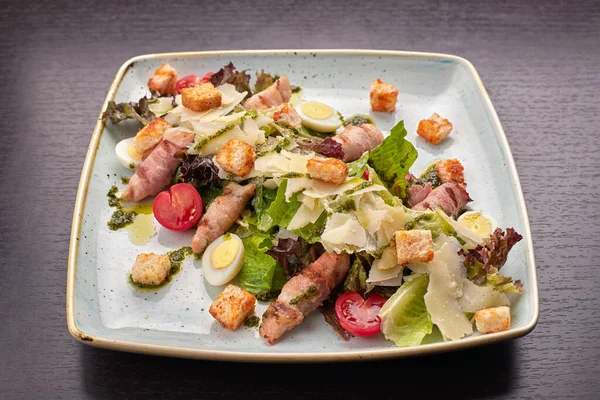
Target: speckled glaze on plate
pixel 105 311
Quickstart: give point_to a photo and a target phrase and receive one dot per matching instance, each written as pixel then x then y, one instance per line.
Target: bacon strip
pixel 221 214
pixel 356 140
pixel 278 93
pixel 451 196
pixel 158 166
pixel 303 294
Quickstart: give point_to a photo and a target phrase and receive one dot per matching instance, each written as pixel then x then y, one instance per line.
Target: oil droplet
pixel 142 229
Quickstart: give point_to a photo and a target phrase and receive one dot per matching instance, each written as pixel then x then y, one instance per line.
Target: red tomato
pixel 178 208
pixel 186 82
pixel 191 80
pixel 359 316
pixel 206 77
pixel 366 174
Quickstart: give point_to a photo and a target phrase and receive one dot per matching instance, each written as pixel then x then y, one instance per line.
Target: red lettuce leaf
pixel 327 147
pixel 294 255
pixel 484 262
pixel 228 74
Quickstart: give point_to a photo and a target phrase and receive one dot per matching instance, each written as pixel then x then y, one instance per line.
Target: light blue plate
pixel 104 310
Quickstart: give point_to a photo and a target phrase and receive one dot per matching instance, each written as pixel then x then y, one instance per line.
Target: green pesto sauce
pixel 131 166
pixel 113 200
pixel 429 175
pixel 124 180
pixel 358 119
pixel 176 257
pixel 346 206
pixel 252 321
pixel 362 186
pixel 413 222
pixel 296 89
pixel 227 236
pixel 304 296
pixel 340 116
pixel 293 175
pixel 121 219
pixel 215 135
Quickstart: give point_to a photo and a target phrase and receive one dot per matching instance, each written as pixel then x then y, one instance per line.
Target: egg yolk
pixel 315 110
pixel 133 153
pixel 224 254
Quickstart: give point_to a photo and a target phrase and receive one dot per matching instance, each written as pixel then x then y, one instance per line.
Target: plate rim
pixel 351 355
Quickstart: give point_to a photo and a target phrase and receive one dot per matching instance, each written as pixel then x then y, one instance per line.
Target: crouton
pixel 150 135
pixel 150 269
pixel 232 307
pixel 201 97
pixel 414 246
pixel 450 171
pixel 330 170
pixel 383 96
pixel 237 157
pixel 287 115
pixel 164 80
pixel 493 319
pixel 435 129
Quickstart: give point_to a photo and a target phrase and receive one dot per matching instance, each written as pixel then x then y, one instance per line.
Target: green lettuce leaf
pixel 280 211
pixel 431 221
pixel 392 160
pixel 261 202
pixel 483 263
pixel 357 168
pixel 356 280
pixel 263 81
pixel 257 275
pixel 312 232
pixel 404 317
pixel 139 111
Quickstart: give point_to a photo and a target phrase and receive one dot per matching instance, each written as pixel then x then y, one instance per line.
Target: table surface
pixel 540 63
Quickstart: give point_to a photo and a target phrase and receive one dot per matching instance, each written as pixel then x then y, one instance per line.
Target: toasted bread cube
pixel 237 157
pixel 383 96
pixel 493 319
pixel 201 97
pixel 150 269
pixel 414 246
pixel 450 171
pixel 435 129
pixel 164 80
pixel 150 135
pixel 232 307
pixel 286 114
pixel 330 170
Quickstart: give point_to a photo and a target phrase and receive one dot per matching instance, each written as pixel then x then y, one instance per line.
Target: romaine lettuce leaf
pixel 392 160
pixel 483 263
pixel 263 198
pixel 430 221
pixel 258 274
pixel 280 211
pixel 357 168
pixel 404 317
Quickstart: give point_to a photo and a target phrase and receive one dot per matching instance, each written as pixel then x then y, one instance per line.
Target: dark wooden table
pixel 541 65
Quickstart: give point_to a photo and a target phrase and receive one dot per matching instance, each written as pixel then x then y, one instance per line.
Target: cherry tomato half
pixel 191 80
pixel 186 82
pixel 359 316
pixel 366 174
pixel 178 208
pixel 206 77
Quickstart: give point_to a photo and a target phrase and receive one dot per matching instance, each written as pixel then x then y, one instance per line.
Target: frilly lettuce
pixel 484 262
pixel 228 74
pixel 392 160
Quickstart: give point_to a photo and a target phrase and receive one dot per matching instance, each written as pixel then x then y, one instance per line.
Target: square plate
pixel 102 308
